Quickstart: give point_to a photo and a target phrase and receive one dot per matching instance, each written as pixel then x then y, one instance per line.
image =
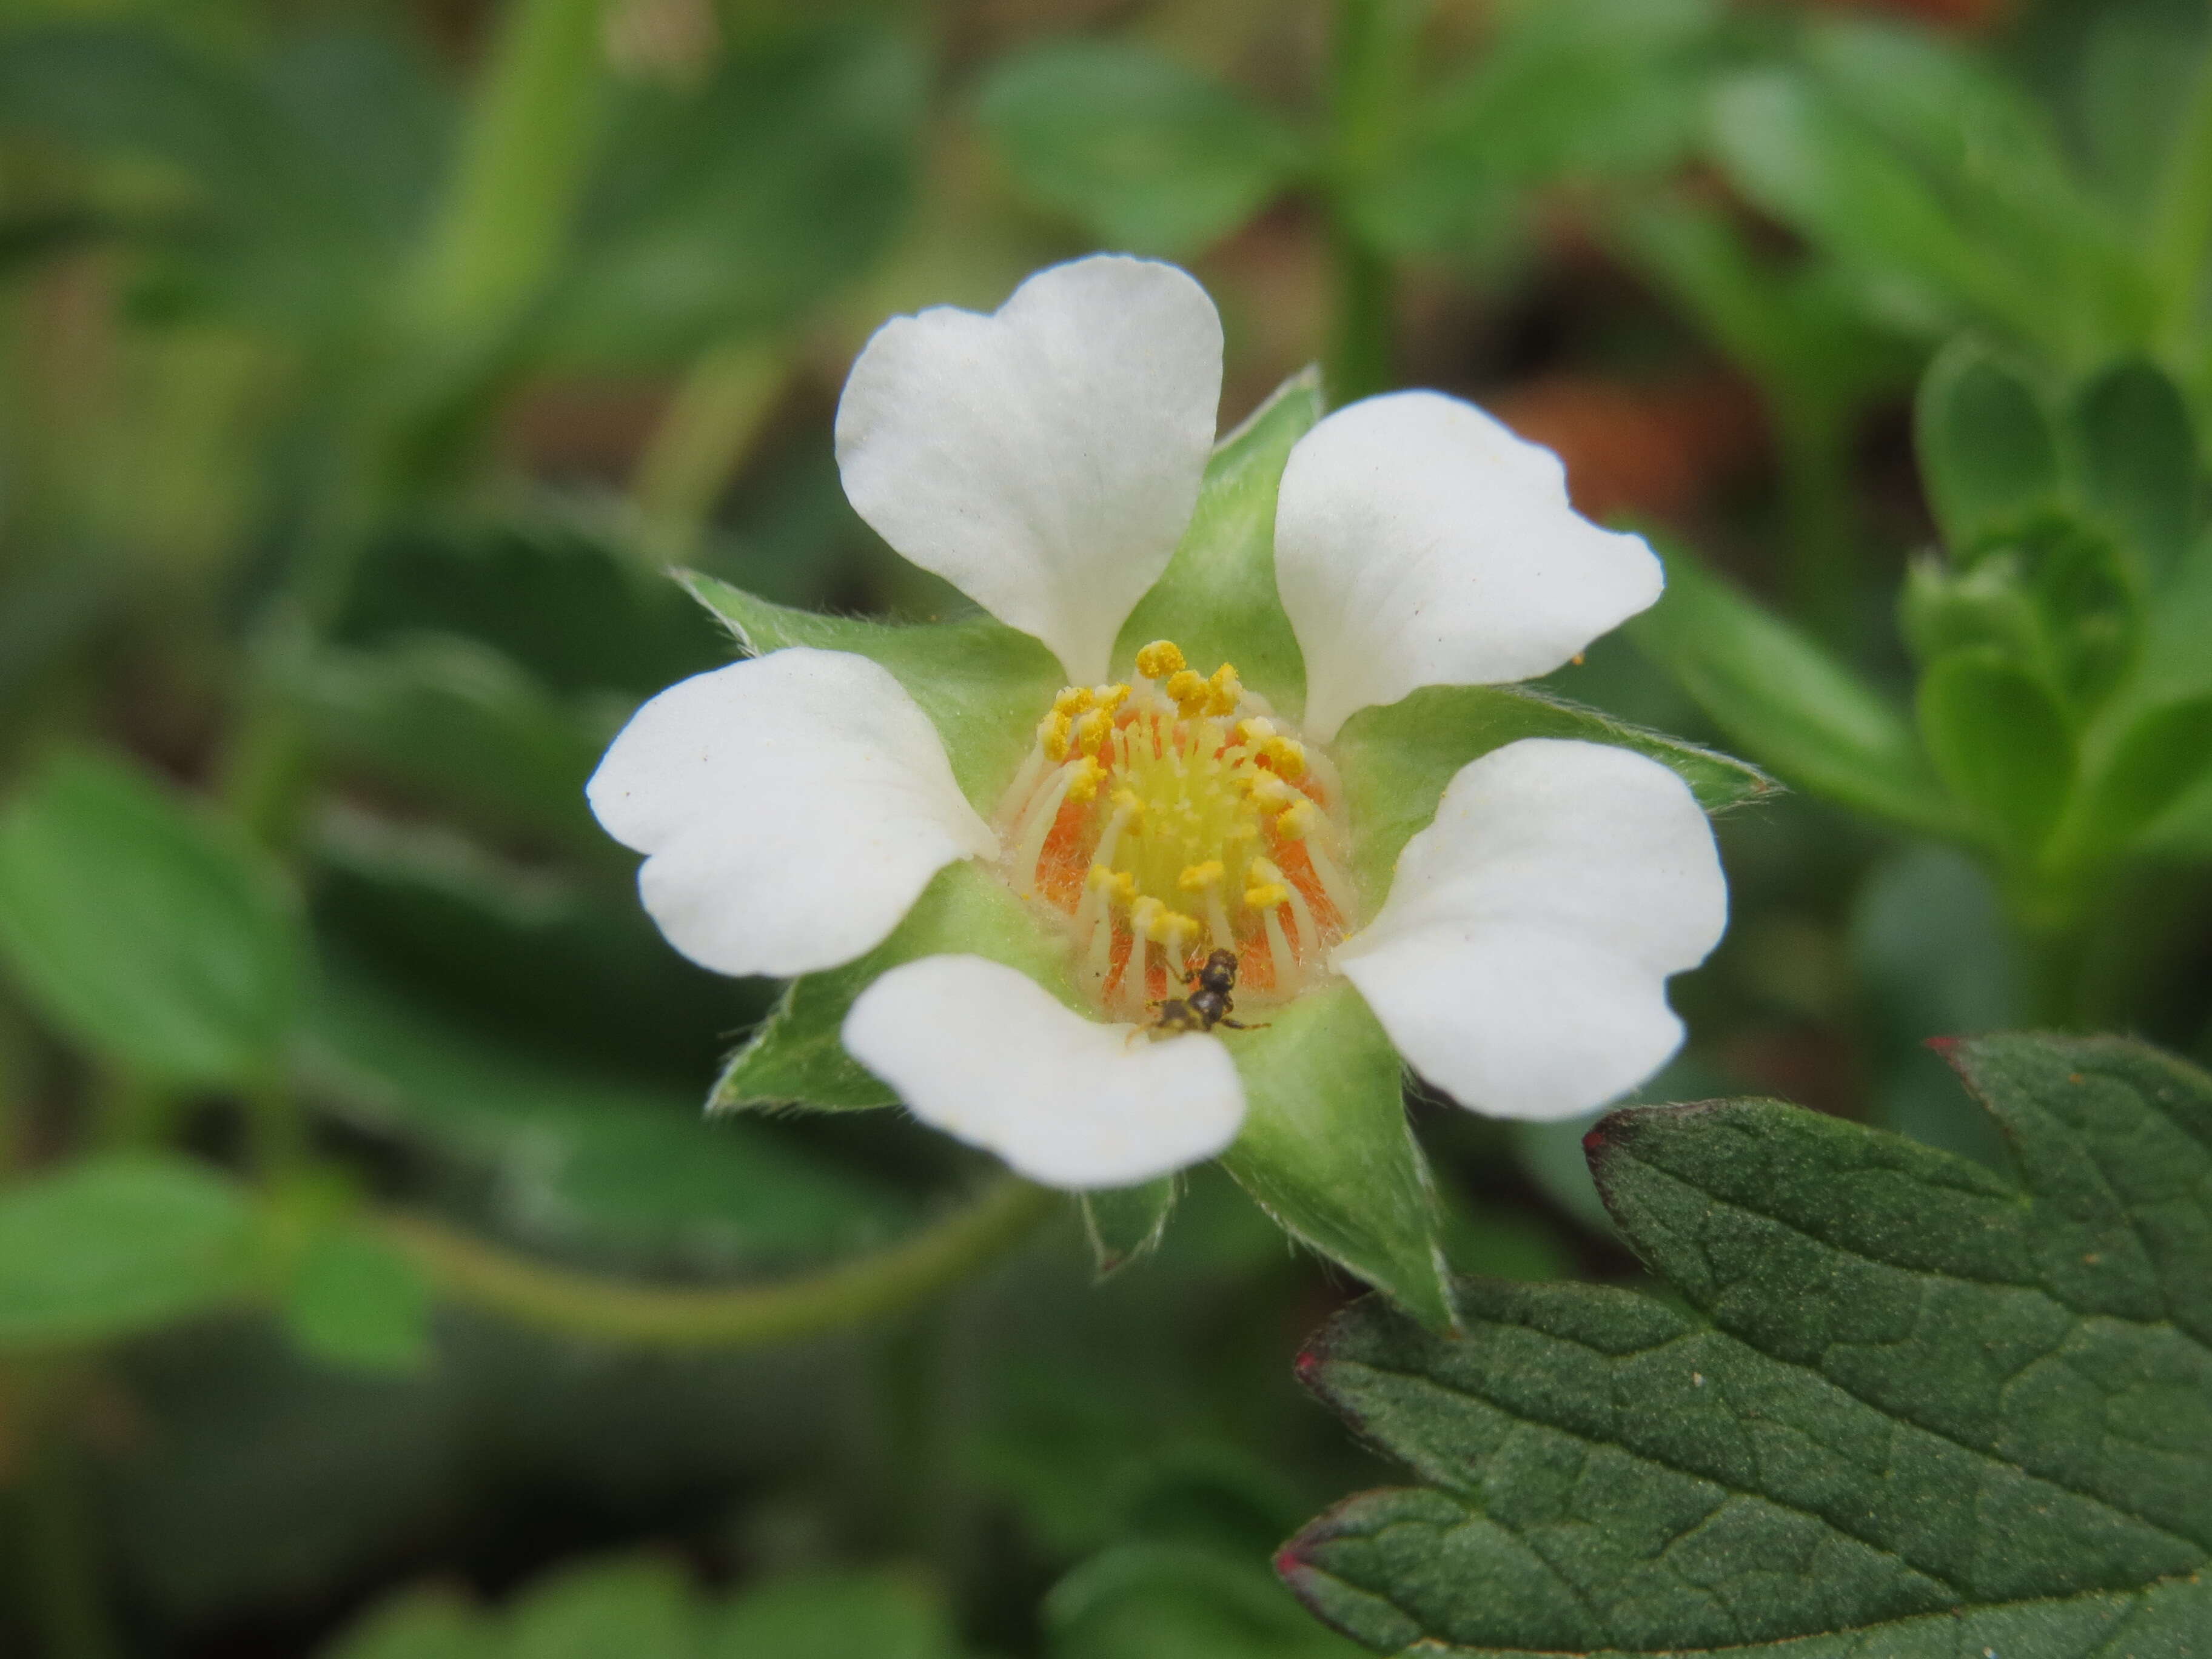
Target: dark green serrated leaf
pixel 1988 454
pixel 1147 154
pixel 1326 1149
pixel 797 1058
pixel 1791 705
pixel 1217 599
pixel 2001 742
pixel 1396 760
pixel 156 935
pixel 113 1246
pixel 1918 1411
pixel 983 685
pixel 1125 1224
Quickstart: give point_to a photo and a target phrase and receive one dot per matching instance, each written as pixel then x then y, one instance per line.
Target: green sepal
pixel 1217 599
pixel 797 1059
pixel 983 685
pixel 1787 703
pixel 1396 760
pixel 1125 1224
pixel 2001 742
pixel 1326 1149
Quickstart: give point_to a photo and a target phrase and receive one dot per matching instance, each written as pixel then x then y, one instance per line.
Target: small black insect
pixel 1208 1004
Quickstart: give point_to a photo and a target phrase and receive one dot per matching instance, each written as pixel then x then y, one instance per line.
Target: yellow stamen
pixel 1051 734
pixel 1287 755
pixel 1197 878
pixel 1071 701
pixel 1254 732
pixel 1160 658
pixel 1266 896
pixel 1110 697
pixel 1190 691
pixel 1296 819
pixel 1090 730
pixel 1224 692
pixel 1083 783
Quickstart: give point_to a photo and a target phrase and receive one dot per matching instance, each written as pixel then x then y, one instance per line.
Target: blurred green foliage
pixel 364 365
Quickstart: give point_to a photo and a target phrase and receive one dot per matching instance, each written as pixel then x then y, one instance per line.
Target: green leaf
pixel 1217 599
pixel 1148 154
pixel 1917 1410
pixel 984 685
pixel 833 1615
pixel 1396 760
pixel 581 1157
pixel 1578 89
pixel 1326 1149
pixel 424 1624
pixel 2164 755
pixel 639 1609
pixel 157 936
pixel 356 1302
pixel 1987 455
pixel 797 1057
pixel 1125 1224
pixel 2001 742
pixel 735 206
pixel 455 719
pixel 1155 1601
pixel 2137 454
pixel 113 1246
pixel 1790 704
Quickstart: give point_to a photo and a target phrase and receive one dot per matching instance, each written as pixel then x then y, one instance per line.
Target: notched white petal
pixel 1044 459
pixel 792 809
pixel 1520 962
pixel 984 1053
pixel 1419 542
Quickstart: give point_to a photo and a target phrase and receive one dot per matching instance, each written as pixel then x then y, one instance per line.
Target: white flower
pixel 1047 460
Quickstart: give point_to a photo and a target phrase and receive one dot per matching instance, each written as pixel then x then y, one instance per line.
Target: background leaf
pixel 1144 153
pixel 113 1246
pixel 155 935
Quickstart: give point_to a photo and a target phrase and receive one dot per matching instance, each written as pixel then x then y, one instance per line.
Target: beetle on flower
pixel 1252 697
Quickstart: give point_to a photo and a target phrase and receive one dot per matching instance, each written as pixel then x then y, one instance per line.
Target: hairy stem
pixel 1371 58
pixel 475 1274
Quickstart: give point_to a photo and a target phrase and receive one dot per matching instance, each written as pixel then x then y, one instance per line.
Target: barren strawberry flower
pixel 1242 699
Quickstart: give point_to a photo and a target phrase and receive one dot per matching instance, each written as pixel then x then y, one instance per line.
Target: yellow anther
pixel 1088 775
pixel 1287 755
pixel 1240 832
pixel 1109 697
pixel 1117 884
pixel 1261 870
pixel 1127 800
pixel 1090 730
pixel 1190 691
pixel 1254 732
pixel 1073 700
pixel 1266 896
pixel 1271 791
pixel 1175 927
pixel 1197 878
pixel 1297 819
pixel 1144 916
pixel 1224 692
pixel 1160 658
pixel 1052 735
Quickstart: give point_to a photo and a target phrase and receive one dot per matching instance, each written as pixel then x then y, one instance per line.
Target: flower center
pixel 1171 817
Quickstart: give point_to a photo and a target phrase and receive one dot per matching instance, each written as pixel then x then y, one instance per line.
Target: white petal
pixel 793 808
pixel 1520 962
pixel 1043 460
pixel 1418 541
pixel 983 1052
